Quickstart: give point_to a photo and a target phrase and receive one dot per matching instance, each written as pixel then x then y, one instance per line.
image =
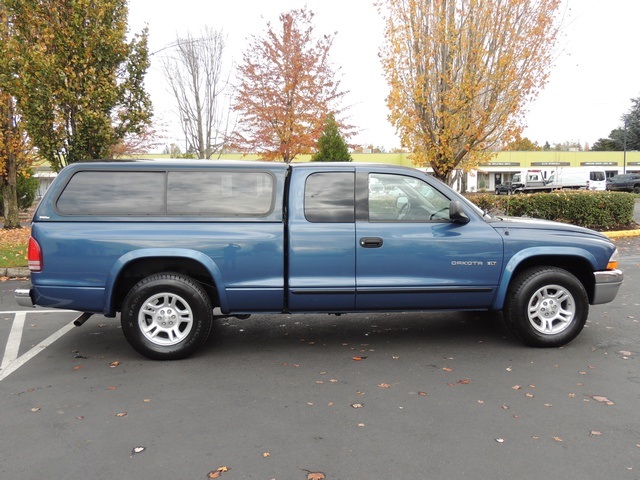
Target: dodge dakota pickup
pixel 173 244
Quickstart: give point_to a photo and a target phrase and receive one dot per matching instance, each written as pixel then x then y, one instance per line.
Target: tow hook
pixel 78 322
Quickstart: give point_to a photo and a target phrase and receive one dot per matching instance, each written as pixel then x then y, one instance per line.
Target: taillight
pixel 34 255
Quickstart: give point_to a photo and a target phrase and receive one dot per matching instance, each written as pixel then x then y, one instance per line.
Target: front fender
pixel 124 260
pixel 530 253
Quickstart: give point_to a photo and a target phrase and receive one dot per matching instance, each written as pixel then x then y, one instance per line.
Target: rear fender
pixel 122 262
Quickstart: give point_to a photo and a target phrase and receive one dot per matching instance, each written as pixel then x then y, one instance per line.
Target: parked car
pixel 505 188
pixel 626 182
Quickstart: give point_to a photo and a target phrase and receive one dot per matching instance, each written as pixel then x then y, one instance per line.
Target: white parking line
pixel 13 343
pixel 10 361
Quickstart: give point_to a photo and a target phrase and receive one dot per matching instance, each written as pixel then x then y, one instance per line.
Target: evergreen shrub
pixel 596 210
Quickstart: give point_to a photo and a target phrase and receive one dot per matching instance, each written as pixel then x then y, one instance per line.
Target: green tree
pixel 628 134
pixel 613 143
pixel 26 188
pixel 78 82
pixel 331 145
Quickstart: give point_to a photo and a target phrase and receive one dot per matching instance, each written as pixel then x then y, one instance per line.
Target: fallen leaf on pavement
pixel 358 358
pixel 601 399
pixel 114 364
pixel 315 476
pixel 384 385
pixel 137 450
pixel 357 405
pixel 218 472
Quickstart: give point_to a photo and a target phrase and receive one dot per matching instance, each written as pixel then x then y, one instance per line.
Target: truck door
pixel 411 256
pixel 321 240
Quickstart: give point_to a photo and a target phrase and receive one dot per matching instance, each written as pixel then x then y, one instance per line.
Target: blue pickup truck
pixel 174 244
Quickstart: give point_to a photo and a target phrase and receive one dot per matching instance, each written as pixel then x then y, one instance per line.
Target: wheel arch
pixel 576 261
pixel 136 265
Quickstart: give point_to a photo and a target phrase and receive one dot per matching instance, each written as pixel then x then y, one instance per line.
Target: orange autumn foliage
pixel 287 88
pixel 461 73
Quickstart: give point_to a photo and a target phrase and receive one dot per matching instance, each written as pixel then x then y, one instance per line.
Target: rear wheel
pixel 167 316
pixel 546 307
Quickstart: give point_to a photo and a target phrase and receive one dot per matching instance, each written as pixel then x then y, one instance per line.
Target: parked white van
pixel 590 178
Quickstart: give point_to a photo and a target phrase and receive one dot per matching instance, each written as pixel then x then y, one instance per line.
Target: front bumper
pixel 606 287
pixel 23 297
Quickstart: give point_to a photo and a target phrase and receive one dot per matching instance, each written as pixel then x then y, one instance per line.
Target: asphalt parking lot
pixel 398 396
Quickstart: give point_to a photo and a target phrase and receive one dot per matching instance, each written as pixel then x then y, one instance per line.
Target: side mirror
pixel 456 213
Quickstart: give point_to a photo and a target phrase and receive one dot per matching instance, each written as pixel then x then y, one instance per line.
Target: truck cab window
pixel 397 198
pixel 330 197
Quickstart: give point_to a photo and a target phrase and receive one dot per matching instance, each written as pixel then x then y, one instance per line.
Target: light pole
pixel 186 135
pixel 624 147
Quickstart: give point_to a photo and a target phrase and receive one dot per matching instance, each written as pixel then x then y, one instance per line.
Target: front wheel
pixel 166 316
pixel 546 307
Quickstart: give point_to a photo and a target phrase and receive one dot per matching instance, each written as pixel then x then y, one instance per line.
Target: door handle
pixel 371 242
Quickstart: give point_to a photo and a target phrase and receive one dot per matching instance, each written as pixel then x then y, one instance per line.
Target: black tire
pixel 636 189
pixel 167 316
pixel 546 307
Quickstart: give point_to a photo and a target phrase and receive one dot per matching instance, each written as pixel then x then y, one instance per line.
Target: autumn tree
pixel 461 73
pixel 13 140
pixel 331 146
pixel 195 74
pixel 78 81
pixel 286 88
pixel 520 144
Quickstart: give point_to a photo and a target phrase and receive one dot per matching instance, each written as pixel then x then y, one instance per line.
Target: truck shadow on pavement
pixel 422 329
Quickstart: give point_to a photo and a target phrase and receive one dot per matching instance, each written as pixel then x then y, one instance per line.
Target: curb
pixel 14 272
pixel 623 233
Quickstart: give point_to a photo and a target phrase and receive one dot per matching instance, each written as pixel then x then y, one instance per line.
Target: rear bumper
pixel 23 297
pixel 607 285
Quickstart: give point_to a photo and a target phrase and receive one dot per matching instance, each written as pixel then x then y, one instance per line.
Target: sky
pixel 592 82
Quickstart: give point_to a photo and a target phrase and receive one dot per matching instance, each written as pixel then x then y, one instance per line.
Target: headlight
pixel 614 261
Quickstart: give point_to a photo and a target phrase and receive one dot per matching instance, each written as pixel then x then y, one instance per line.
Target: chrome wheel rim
pixel 165 319
pixel 551 309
